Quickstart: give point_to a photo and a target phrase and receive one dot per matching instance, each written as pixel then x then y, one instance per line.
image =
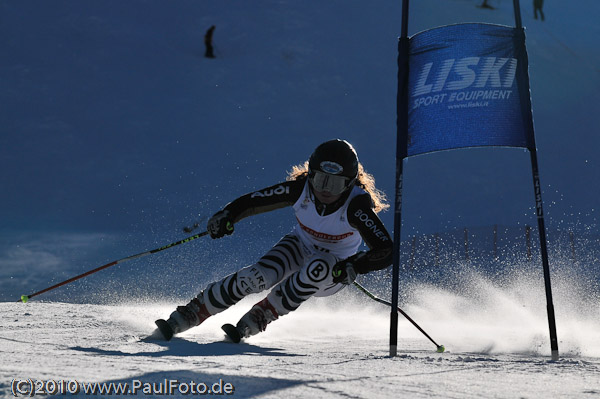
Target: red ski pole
pixel 25 298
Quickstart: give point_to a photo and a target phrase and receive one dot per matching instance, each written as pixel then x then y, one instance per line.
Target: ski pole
pixel 440 348
pixel 25 298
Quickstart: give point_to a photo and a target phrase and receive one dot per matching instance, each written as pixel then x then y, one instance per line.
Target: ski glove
pixel 220 224
pixel 343 272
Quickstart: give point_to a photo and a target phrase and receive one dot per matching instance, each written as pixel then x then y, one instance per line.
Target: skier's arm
pixel 362 217
pixel 267 199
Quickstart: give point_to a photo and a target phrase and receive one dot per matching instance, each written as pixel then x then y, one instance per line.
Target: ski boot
pixel 184 318
pixel 253 322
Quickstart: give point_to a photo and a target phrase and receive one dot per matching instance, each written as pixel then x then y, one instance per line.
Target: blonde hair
pixel 365 180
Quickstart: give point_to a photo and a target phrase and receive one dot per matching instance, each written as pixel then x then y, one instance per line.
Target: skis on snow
pixel 167 332
pixel 232 333
pixel 165 329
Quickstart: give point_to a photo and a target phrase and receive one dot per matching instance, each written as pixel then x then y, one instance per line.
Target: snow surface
pixel 329 348
pixel 494 332
pixel 113 99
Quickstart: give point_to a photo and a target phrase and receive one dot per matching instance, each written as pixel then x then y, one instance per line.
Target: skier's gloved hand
pixel 343 272
pixel 220 224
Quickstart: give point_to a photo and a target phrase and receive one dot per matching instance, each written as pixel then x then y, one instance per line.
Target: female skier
pixel 336 205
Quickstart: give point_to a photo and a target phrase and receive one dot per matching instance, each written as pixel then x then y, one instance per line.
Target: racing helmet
pixel 333 167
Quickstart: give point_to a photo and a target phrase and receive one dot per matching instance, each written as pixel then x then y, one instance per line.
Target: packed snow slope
pixel 324 350
pixel 116 132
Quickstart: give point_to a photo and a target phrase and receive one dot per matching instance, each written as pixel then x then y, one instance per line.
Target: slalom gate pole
pixel 401 153
pixel 537 187
pixel 440 348
pixel 25 298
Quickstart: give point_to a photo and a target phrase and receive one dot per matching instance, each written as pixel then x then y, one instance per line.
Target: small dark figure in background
pixel 537 6
pixel 486 5
pixel 208 43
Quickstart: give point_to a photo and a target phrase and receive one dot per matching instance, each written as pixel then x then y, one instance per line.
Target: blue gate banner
pixel 468 86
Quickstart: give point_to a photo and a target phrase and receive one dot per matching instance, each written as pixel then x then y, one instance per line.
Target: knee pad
pixel 251 280
pixel 318 269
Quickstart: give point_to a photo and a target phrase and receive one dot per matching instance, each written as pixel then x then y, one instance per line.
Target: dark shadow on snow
pixel 174 384
pixel 181 347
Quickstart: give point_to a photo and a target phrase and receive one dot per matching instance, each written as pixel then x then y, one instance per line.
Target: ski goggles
pixel 331 183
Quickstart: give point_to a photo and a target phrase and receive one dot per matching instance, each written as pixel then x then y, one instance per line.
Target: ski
pixel 165 329
pixel 232 332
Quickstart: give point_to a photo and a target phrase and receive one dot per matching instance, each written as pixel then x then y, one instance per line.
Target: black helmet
pixel 333 166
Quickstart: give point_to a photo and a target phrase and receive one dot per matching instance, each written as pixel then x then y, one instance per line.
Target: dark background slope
pixel 116 131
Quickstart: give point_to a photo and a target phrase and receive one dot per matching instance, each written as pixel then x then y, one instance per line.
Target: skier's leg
pixel 280 261
pixel 314 279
